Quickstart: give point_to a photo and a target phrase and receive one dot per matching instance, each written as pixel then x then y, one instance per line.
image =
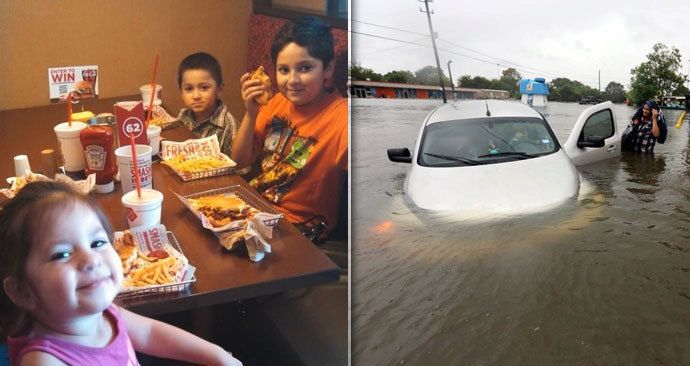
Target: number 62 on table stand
pixel 130 120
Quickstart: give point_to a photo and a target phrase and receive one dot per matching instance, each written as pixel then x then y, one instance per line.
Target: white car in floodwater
pixel 502 156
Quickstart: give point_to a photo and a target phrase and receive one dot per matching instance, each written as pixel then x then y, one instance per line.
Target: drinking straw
pixel 153 91
pixel 137 181
pixel 69 109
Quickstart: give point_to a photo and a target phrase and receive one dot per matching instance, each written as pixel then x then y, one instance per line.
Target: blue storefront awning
pixel 536 86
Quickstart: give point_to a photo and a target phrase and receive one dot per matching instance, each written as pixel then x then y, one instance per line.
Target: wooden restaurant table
pixel 221 276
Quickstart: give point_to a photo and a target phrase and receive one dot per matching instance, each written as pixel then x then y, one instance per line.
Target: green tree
pixel 682 90
pixel 464 81
pixel 563 90
pixel 511 74
pixel 509 81
pixel 560 89
pixel 478 82
pixel 428 75
pixel 657 76
pixel 357 72
pixel 614 92
pixel 399 76
pixel 566 90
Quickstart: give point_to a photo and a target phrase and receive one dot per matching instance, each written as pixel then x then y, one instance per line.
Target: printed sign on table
pixel 130 121
pixel 81 79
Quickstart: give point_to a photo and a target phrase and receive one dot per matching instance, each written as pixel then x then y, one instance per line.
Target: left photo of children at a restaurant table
pixel 91 105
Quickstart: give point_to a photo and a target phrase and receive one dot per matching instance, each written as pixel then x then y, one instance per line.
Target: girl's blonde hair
pixel 22 221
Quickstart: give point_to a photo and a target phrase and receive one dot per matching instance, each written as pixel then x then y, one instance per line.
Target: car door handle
pixel 611 148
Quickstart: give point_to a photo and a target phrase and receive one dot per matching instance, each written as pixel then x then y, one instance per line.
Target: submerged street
pixel 603 279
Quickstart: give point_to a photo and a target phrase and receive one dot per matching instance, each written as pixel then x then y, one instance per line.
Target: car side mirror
pixel 400 155
pixel 591 141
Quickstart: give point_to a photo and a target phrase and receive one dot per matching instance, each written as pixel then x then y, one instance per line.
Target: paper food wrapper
pixel 152 238
pixel 160 117
pixel 193 148
pixel 85 186
pixel 254 234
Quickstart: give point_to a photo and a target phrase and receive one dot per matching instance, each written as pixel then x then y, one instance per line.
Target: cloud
pixel 574 39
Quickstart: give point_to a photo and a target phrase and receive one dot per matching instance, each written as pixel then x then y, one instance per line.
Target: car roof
pixel 471 109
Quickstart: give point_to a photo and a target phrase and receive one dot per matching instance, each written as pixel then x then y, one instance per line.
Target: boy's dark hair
pixel 311 33
pixel 22 221
pixel 200 61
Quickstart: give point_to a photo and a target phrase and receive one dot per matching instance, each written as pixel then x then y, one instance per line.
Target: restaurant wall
pixel 122 38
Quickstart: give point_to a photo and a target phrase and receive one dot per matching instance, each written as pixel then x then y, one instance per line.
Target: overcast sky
pixel 539 38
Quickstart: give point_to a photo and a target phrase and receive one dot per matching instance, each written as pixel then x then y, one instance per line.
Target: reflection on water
pixel 603 279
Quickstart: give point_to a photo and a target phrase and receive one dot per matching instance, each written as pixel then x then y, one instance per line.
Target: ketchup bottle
pixel 98 143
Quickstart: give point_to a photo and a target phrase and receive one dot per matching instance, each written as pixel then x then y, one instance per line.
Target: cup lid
pixel 149 197
pixel 65 130
pixel 148 87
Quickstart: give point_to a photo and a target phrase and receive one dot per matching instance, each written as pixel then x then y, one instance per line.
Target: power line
pixel 449 42
pixel 387 27
pixel 499 59
pixel 426 35
pixel 388 38
pixel 387 49
pixel 524 68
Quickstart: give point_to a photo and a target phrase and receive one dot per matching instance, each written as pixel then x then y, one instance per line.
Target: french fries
pixel 159 272
pixel 157 121
pixel 186 165
pixel 159 117
pixel 20 182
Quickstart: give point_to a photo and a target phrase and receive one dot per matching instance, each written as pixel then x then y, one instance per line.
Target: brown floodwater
pixel 603 279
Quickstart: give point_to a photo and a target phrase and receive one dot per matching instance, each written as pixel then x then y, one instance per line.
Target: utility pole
pixel 450 75
pixel 599 81
pixel 433 42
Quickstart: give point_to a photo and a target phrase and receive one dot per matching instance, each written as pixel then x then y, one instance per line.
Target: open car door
pixel 594 124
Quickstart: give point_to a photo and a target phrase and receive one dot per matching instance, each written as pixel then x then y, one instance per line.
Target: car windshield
pixel 485 141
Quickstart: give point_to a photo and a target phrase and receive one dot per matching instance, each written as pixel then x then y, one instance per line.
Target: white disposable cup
pixel 154 135
pixel 70 146
pixel 21 165
pixel 144 211
pixel 123 156
pixel 146 94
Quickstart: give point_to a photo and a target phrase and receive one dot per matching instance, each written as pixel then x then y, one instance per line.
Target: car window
pixel 485 141
pixel 599 124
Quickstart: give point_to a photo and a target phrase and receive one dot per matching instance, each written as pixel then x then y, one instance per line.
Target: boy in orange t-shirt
pixel 301 134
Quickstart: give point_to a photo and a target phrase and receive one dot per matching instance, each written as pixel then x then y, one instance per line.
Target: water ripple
pixel 603 280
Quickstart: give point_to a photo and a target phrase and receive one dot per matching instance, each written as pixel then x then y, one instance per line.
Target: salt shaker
pixel 21 165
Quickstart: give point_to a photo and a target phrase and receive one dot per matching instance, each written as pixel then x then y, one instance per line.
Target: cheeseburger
pixel 221 210
pixel 84 89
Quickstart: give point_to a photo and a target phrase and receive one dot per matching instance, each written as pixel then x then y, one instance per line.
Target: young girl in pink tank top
pixel 60 275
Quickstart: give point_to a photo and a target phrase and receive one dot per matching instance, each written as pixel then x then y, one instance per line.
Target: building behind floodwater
pixel 380 89
pixel 534 92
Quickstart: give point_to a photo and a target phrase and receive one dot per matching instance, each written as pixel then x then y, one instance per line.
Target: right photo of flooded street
pixel 520 183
